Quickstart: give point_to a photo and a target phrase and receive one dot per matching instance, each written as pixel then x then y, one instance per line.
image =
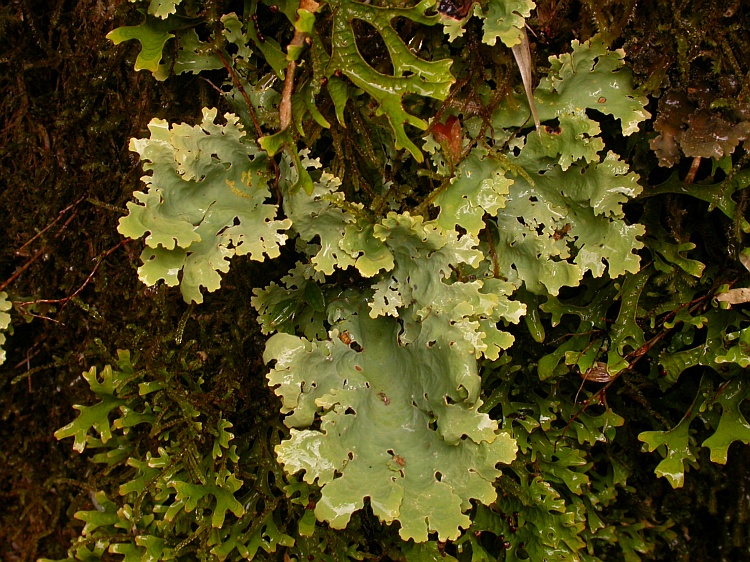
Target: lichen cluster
pixel 439 296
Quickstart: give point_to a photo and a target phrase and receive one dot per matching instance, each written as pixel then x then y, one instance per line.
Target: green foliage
pixel 679 442
pixel 153 35
pixel 480 186
pixel 404 373
pixel 425 78
pixel 412 265
pixel 563 234
pixel 551 236
pixel 414 443
pixel 162 8
pixel 505 20
pixel 97 417
pixel 411 74
pixel 179 471
pixel 589 77
pixel 205 203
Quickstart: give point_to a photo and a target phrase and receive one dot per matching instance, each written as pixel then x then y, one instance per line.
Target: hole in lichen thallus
pixel 371 46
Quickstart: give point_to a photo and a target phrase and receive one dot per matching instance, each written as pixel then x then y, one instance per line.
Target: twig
pixel 50 225
pixel 242 90
pixel 422 207
pixel 256 123
pixel 41 316
pixel 39 253
pixel 285 106
pixel 67 299
pixel 633 357
pixel 106 206
pixel 694 165
pixel 23 268
pixel 93 271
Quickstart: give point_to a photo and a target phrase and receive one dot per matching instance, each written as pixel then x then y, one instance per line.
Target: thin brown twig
pixel 575 334
pixel 70 297
pixel 93 271
pixel 40 316
pixel 424 205
pixel 298 40
pixel 214 86
pixel 636 394
pixel 633 358
pixel 50 225
pixel 256 123
pixel 23 268
pixel 241 88
pixel 40 252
